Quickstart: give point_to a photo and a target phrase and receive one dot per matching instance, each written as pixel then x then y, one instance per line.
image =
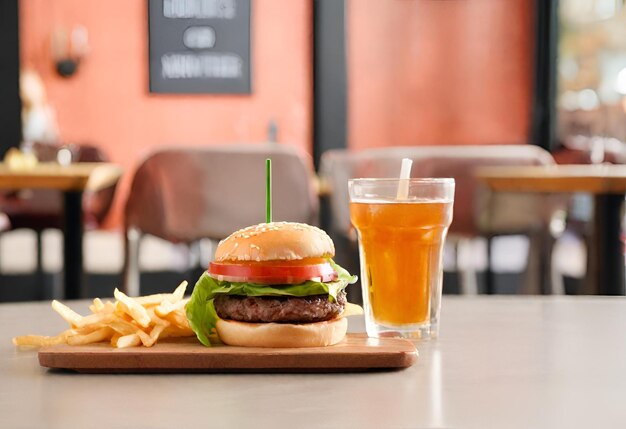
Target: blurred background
pixel 121 80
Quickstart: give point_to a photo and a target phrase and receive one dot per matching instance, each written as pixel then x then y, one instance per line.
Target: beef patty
pixel 308 309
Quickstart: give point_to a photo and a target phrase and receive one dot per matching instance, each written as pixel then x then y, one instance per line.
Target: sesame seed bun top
pixel 275 241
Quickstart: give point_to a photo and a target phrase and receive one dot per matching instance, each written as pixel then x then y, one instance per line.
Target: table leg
pixel 605 270
pixel 73 245
pixel 490 287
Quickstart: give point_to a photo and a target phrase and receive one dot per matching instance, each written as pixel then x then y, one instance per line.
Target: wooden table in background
pixel 72 180
pixel 607 183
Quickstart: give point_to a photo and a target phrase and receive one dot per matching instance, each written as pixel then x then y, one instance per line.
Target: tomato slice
pixel 272 274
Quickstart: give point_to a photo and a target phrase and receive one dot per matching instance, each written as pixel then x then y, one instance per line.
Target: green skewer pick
pixel 268 190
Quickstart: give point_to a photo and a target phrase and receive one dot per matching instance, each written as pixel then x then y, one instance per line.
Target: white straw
pixel 405 175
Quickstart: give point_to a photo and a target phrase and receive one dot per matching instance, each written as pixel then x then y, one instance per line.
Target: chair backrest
pixel 96 204
pixel 458 162
pixel 185 194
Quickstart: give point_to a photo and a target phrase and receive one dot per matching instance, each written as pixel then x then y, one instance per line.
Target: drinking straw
pixel 268 190
pixel 405 175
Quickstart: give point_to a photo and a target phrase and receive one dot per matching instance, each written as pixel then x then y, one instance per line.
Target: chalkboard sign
pixel 200 46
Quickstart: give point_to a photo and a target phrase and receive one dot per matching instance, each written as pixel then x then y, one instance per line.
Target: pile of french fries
pixel 127 322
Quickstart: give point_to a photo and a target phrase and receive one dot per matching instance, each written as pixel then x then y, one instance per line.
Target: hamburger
pixel 273 285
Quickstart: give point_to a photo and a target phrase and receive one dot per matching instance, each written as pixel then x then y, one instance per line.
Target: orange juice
pixel 401 246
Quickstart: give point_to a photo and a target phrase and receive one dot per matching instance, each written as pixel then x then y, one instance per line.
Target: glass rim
pixel 436 180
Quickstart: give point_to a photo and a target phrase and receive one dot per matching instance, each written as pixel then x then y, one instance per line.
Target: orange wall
pixel 439 72
pixel 107 102
pixel 419 72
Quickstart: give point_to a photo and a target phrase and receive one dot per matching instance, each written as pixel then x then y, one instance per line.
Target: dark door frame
pixel 329 77
pixel 10 104
pixel 543 110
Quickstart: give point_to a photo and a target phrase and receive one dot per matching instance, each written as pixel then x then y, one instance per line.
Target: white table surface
pixel 518 362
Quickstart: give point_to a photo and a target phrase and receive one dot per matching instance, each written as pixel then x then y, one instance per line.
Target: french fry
pixel 149 300
pixel 352 309
pixel 164 309
pixel 176 331
pixel 97 306
pixel 114 339
pixel 179 319
pixel 179 292
pixel 40 340
pixel 127 322
pixel 128 341
pixel 158 298
pixel 69 315
pixel 144 338
pixel 155 333
pixel 95 319
pixel 102 307
pixel 97 336
pixel 167 307
pixel 154 319
pixel 122 314
pixel 132 308
pixel 123 327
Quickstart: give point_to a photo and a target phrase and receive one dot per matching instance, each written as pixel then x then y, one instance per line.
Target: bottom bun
pixel 318 334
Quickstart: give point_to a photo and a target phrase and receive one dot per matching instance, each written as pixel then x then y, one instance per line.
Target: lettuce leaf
pixel 201 311
pixel 342 273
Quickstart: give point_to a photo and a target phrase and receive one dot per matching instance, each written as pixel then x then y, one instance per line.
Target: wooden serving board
pixel 355 353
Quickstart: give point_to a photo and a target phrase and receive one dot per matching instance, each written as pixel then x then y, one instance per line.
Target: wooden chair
pixel 183 195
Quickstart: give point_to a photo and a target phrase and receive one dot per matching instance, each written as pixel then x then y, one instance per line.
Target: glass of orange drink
pixel 401 226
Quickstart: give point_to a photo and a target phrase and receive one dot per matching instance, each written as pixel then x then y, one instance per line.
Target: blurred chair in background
pixel 184 195
pixel 590 150
pixel 477 211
